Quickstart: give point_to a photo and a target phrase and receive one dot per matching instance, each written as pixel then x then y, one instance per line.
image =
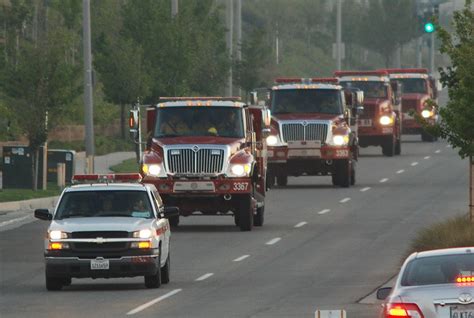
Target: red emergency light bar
pixel 406 70
pixel 282 80
pixel 107 178
pixel 361 73
pixel 214 98
pixel 329 80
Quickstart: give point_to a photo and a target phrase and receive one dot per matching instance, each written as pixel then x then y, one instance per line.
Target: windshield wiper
pixel 115 214
pixel 167 136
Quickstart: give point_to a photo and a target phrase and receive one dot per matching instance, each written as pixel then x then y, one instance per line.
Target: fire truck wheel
pixel 270 180
pixel 54 283
pixel 282 181
pixel 353 174
pixel 334 179
pixel 258 219
pixel 237 218
pixel 427 137
pixel 342 171
pixel 398 147
pixel 165 270
pixel 245 213
pixel 388 147
pixel 174 221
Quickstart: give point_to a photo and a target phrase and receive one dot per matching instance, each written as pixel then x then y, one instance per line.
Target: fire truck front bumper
pixel 201 187
pixel 283 154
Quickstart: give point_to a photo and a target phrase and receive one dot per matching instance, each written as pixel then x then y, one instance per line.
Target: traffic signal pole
pixel 432 53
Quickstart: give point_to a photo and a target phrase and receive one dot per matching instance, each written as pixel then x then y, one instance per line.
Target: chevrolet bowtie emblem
pixel 465 299
pixel 100 240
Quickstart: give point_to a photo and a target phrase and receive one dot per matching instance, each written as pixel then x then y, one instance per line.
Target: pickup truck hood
pixel 128 224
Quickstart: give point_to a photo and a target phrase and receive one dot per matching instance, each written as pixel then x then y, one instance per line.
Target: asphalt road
pixel 321 247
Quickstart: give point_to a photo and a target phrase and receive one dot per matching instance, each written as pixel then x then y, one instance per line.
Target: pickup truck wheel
pixel 282 181
pixel 388 147
pixel 54 283
pixel 245 213
pixel 343 168
pixel 165 271
pixel 154 281
pixel 174 221
pixel 259 218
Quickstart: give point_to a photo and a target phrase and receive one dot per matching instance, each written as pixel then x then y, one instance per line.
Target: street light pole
pixel 174 8
pixel 88 102
pixel 230 41
pixel 238 26
pixel 338 35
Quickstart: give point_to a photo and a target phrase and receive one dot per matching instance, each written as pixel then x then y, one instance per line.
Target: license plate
pixel 194 186
pixel 304 153
pixel 99 264
pixel 309 144
pixel 365 122
pixel 462 311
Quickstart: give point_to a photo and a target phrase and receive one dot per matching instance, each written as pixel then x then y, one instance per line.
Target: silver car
pixel 105 230
pixel 438 283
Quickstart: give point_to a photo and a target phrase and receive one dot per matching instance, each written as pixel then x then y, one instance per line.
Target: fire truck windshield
pixel 326 101
pixel 189 121
pixel 371 89
pixel 413 85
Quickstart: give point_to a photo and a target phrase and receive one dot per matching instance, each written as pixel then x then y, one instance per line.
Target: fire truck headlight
pixel 426 113
pixel 240 170
pixel 340 140
pixel 386 120
pixel 152 169
pixel 272 140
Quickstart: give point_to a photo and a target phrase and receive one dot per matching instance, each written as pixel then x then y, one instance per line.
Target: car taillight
pixel 394 310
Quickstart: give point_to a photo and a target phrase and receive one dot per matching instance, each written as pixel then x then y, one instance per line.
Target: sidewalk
pixel 101 163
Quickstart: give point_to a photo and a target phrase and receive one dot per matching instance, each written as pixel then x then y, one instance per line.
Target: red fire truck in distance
pixel 379 125
pixel 311 130
pixel 418 87
pixel 206 155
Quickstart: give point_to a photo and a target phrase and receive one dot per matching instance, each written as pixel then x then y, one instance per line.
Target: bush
pixel 456 232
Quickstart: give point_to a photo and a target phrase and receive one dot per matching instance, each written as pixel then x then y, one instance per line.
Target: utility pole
pixel 174 8
pixel 338 35
pixel 419 51
pixel 88 102
pixel 230 41
pixel 432 53
pixel 238 26
pixel 277 46
pixel 471 188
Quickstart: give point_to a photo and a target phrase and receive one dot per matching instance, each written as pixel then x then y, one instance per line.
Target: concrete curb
pixel 45 203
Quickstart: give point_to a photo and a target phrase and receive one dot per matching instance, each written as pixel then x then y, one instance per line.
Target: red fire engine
pixel 207 155
pixel 311 131
pixel 379 125
pixel 418 87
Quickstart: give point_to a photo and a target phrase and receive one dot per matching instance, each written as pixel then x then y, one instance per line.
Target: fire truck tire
pixel 54 283
pixel 154 281
pixel 353 175
pixel 398 147
pixel 259 218
pixel 282 181
pixel 343 169
pixel 245 213
pixel 237 218
pixel 426 137
pixel 334 179
pixel 165 270
pixel 174 221
pixel 270 180
pixel 388 147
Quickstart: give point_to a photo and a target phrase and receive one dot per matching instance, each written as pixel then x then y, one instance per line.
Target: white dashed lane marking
pixel 301 224
pixel 438 151
pixel 365 189
pixel 414 163
pixel 203 277
pixel 273 241
pixel 427 157
pixel 154 301
pixel 345 200
pixel 241 258
pixel 400 171
pixel 383 180
pixel 324 211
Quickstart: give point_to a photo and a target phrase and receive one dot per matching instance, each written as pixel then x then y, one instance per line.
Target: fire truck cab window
pixel 199 121
pixel 326 101
pixel 371 89
pixel 414 86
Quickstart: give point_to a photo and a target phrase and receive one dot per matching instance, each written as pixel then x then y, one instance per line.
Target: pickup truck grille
pixel 108 246
pixel 103 234
pixel 310 131
pixel 195 161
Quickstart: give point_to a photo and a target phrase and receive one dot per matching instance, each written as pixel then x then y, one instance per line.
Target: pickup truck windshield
pixel 325 101
pixel 444 269
pixel 121 203
pixel 199 121
pixel 371 89
pixel 413 85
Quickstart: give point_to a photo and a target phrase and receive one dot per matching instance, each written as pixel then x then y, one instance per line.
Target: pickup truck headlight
pixel 272 140
pixel 143 234
pixel 340 140
pixel 239 170
pixel 386 120
pixel 426 113
pixel 154 169
pixel 57 235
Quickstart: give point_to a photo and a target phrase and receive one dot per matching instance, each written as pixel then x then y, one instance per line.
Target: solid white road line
pixel 5 223
pixel 273 241
pixel 383 180
pixel 241 258
pixel 400 171
pixel 345 200
pixel 152 302
pixel 203 277
pixel 427 157
pixel 438 151
pixel 365 189
pixel 324 211
pixel 301 224
pixel 414 163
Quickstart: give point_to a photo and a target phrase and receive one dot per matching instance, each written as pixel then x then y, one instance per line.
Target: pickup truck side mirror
pixel 382 293
pixel 43 214
pixel 169 212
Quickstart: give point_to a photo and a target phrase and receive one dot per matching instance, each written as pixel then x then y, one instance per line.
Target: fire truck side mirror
pixel 253 98
pixel 134 123
pixel 266 118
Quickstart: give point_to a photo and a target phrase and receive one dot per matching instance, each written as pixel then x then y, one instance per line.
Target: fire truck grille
pixel 189 161
pixel 369 112
pixel 407 105
pixel 312 131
